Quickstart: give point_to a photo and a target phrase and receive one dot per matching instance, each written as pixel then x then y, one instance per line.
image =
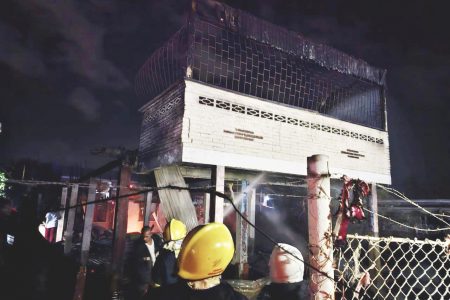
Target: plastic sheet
pixel 249 288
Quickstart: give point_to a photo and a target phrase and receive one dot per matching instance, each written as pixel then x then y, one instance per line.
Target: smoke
pixel 81 42
pixel 85 103
pixel 18 52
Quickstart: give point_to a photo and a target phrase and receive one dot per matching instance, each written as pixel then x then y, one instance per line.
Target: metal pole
pixel 68 235
pixel 62 213
pixel 319 227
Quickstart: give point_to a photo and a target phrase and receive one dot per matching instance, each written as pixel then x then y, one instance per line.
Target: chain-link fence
pixel 392 268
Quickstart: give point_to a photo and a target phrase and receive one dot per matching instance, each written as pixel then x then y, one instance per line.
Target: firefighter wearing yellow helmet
pixel 165 270
pixel 205 253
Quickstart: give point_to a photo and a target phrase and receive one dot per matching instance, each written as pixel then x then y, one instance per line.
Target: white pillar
pixel 242 232
pixel 147 208
pixel 319 227
pixel 207 201
pixel 216 203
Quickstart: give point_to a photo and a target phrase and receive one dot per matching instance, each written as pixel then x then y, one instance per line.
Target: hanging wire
pixel 404 225
pixel 211 189
pixel 403 197
pixel 207 189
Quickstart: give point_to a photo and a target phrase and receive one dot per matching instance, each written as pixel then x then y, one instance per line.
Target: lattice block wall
pixel 221 127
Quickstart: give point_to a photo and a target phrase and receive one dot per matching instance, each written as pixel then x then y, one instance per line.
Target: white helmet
pixel 285 267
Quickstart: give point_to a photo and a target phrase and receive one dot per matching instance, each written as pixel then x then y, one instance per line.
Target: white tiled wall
pixel 284 147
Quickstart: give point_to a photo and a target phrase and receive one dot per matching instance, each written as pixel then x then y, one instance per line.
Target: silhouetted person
pixel 36 269
pixel 141 261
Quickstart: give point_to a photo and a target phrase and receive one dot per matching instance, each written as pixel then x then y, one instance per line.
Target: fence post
pixel 374 254
pixel 68 235
pixel 319 227
pixel 62 213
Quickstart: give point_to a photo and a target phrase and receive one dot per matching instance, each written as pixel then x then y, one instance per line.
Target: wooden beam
pixel 88 219
pixel 62 213
pixel 68 235
pixel 202 172
pixel 86 241
pixel 120 226
pixel 176 204
pixel 105 168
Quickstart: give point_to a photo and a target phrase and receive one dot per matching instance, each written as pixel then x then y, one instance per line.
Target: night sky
pixel 67 70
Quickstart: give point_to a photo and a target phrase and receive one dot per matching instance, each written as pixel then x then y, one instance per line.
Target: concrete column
pixel 319 227
pixel 242 232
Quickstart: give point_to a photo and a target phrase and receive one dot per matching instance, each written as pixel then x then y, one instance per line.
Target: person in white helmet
pixel 286 275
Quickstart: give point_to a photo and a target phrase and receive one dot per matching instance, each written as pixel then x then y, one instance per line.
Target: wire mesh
pixel 224 58
pixel 398 268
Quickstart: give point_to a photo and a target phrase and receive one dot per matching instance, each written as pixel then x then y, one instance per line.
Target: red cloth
pixel 50 234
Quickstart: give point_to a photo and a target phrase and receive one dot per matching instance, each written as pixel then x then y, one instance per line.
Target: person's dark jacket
pixel 181 291
pixel 165 268
pixel 141 263
pixel 285 291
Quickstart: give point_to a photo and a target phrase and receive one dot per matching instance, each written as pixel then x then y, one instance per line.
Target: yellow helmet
pixel 206 252
pixel 175 230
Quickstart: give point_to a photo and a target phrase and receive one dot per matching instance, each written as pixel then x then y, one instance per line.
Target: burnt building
pixel 244 96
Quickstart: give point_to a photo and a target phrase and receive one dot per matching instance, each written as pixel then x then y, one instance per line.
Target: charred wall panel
pixel 160 140
pixel 166 66
pixel 229 60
